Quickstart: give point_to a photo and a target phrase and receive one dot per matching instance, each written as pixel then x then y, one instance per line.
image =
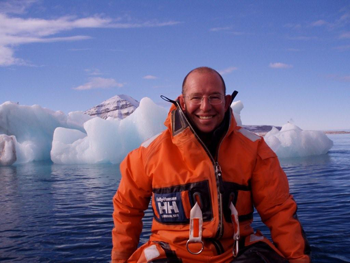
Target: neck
pixel 213 138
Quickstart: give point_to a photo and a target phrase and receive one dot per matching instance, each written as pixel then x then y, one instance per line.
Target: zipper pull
pixel 219 175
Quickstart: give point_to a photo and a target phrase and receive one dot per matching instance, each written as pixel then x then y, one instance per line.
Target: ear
pixel 228 101
pixel 182 102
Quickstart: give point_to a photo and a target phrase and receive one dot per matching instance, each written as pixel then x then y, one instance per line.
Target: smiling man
pixel 204 175
pixel 203 99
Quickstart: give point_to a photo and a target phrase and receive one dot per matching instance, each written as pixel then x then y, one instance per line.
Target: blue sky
pixel 289 60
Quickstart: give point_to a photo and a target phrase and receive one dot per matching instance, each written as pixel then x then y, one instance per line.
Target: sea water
pixel 63 213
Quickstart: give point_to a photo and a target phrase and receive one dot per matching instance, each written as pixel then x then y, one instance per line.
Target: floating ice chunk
pixel 33 128
pixel 80 138
pixel 7 149
pixel 292 141
pixel 237 107
pixel 108 140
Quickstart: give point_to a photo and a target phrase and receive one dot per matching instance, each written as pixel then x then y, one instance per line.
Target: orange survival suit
pixel 175 170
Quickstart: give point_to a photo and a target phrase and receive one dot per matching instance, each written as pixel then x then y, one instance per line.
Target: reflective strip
pixel 254 238
pixel 195 227
pixel 151 252
pixel 149 141
pixel 250 135
pixel 196 223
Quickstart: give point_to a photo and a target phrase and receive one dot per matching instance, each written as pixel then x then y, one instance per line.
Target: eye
pixel 215 99
pixel 196 98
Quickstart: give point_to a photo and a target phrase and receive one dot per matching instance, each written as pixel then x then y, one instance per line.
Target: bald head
pixel 202 70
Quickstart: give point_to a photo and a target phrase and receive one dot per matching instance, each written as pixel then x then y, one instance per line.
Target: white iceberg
pixel 292 141
pixel 33 133
pixel 108 141
pixel 32 128
pixel 7 149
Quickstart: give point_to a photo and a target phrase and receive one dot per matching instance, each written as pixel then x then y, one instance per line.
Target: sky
pixel 289 60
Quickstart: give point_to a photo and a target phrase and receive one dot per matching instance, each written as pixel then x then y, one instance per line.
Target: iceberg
pixel 33 133
pixel 108 141
pixel 237 107
pixel 7 149
pixel 32 128
pixel 292 141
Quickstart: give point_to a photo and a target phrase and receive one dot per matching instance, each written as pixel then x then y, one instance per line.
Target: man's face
pixel 206 117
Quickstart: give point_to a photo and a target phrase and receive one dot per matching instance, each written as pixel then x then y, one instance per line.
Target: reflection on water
pixel 63 213
pixel 56 213
pixel 320 185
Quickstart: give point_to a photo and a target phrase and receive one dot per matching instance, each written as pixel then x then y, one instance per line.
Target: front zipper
pixel 220 190
pixel 217 171
pixel 219 175
pixel 220 230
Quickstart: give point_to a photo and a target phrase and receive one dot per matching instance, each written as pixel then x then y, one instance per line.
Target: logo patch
pixel 169 207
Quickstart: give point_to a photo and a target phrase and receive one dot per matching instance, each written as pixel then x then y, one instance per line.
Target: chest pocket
pixel 240 196
pixel 172 205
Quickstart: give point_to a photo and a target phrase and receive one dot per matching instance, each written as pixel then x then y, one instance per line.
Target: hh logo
pixel 169 207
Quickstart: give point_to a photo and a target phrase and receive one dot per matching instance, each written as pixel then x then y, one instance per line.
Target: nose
pixel 205 104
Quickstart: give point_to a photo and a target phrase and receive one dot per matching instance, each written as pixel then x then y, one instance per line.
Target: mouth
pixel 205 117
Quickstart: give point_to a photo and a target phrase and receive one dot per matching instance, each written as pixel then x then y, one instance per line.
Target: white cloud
pixel 279 65
pixel 144 24
pixel 6 57
pixel 336 77
pixel 345 78
pixel 150 77
pixel 303 38
pixel 319 23
pixel 228 30
pixel 227 70
pixel 15 40
pixel 99 83
pixel 16 31
pixel 215 29
pixel 15 6
pixel 345 18
pixel 33 27
pixel 345 35
pixel 293 26
pixel 93 72
pixel 342 48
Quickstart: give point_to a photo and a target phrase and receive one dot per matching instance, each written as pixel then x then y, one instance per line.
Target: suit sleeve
pixel 277 207
pixel 129 202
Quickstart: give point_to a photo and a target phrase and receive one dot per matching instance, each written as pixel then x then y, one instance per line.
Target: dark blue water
pixel 63 213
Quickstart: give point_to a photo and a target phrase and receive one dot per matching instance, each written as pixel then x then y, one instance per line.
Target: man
pixel 203 176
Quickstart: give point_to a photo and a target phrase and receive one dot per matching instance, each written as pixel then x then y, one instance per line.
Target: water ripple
pixel 63 213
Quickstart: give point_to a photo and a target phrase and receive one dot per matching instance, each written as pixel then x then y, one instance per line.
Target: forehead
pixel 207 82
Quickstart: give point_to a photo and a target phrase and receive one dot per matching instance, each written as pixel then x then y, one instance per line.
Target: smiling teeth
pixel 205 117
